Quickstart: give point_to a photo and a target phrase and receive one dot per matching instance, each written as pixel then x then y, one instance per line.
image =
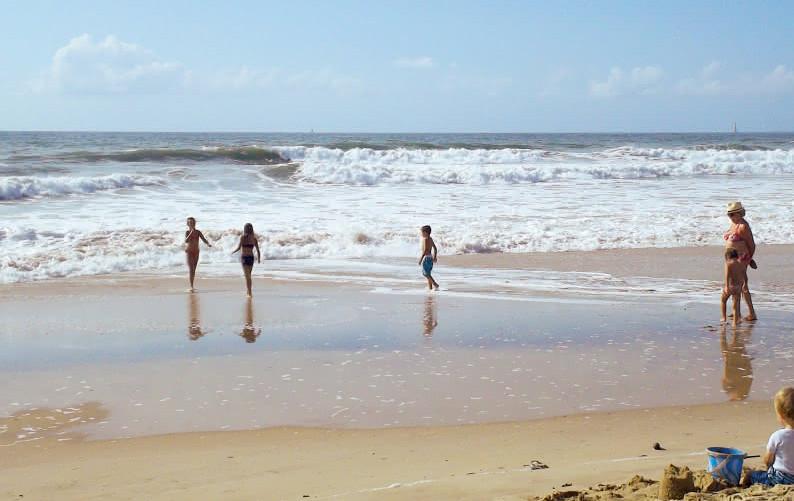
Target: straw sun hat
pixel 735 207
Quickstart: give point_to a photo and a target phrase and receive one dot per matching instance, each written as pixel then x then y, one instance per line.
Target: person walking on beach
pixel 740 238
pixel 735 272
pixel 192 236
pixel 429 256
pixel 248 242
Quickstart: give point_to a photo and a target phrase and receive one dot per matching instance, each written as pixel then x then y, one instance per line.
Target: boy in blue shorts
pixel 429 256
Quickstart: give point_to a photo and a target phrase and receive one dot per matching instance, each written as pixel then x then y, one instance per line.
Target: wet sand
pixel 455 391
pixel 163 361
pixel 691 263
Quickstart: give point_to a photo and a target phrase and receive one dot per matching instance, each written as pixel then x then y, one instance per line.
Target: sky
pixel 397 66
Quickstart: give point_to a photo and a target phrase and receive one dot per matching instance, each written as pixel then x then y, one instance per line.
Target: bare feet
pixel 751 318
pixel 435 287
pixel 723 320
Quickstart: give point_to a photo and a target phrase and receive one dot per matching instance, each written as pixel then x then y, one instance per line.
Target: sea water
pixel 80 203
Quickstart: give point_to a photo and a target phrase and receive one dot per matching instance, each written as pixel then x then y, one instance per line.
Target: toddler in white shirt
pixel 779 457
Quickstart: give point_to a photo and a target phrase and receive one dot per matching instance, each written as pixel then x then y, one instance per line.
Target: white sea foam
pixel 360 203
pixel 362 166
pixel 21 187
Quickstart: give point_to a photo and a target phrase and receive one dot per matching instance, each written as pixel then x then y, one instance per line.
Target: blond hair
pixel 784 404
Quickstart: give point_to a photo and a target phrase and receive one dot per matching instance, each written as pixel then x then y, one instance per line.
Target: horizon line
pixel 132 131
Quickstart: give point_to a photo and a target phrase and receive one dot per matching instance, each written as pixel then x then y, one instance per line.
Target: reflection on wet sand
pixel 429 318
pixel 249 332
pixel 738 374
pixel 32 425
pixel 194 318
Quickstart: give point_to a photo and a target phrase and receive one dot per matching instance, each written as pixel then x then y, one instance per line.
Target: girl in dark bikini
pixel 192 236
pixel 740 238
pixel 248 243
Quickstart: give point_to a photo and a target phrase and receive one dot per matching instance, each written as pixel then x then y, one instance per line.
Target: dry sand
pixel 490 461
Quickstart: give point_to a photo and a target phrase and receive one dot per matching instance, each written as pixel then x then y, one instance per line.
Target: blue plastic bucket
pixel 726 463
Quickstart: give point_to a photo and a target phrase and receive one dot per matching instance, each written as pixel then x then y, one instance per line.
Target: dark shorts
pixel 247 260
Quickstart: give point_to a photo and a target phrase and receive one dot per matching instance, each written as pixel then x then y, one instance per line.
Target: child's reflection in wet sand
pixel 738 375
pixel 194 318
pixel 429 319
pixel 249 332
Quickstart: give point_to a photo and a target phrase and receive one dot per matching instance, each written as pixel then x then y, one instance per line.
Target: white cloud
pixel 416 63
pixel 243 78
pixel 109 66
pixel 711 81
pixel 246 79
pixel 638 81
pixel 705 83
pixel 778 81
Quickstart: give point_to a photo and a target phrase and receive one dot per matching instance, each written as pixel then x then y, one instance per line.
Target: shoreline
pixel 693 263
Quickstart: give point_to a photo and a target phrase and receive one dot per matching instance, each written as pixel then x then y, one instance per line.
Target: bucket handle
pixel 718 469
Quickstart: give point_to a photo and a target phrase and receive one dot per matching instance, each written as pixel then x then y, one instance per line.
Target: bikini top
pixel 733 235
pixel 247 245
pixel 193 236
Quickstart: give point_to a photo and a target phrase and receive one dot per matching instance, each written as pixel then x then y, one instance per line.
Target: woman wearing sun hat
pixel 740 238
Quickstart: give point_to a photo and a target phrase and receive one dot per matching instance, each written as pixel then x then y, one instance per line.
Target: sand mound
pixel 676 483
pixel 637 487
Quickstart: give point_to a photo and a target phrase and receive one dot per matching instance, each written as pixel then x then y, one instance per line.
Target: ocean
pixel 89 203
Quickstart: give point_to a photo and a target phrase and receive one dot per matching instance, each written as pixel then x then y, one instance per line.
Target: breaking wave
pixel 366 166
pixel 22 187
pixel 250 155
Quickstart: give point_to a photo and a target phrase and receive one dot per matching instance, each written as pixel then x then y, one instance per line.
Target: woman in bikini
pixel 248 243
pixel 740 238
pixel 192 236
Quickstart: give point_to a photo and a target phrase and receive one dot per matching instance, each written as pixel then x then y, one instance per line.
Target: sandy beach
pixel 489 461
pixel 125 386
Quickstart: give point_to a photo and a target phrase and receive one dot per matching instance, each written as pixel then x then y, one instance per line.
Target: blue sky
pixel 397 66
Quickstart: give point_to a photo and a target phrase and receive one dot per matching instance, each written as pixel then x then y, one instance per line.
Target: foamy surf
pixel 99 203
pixel 24 187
